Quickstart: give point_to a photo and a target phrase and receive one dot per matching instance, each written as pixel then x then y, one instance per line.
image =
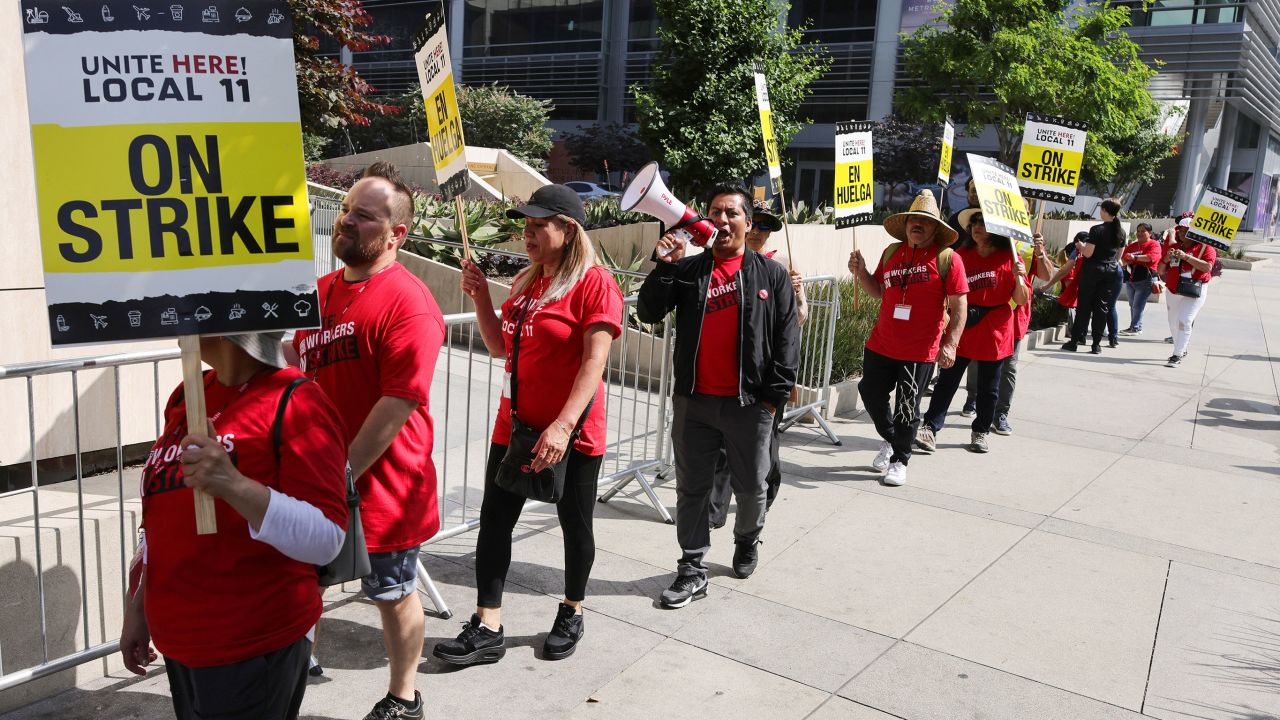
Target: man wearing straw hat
pixel 921 286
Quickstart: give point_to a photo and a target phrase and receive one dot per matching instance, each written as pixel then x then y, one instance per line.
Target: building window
pixel 843 22
pixel 527 27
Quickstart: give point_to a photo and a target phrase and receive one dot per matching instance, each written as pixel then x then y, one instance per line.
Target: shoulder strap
pixel 277 425
pixel 944 264
pixel 889 252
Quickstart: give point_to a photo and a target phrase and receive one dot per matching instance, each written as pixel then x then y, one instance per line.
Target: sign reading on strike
pixel 948 150
pixel 444 124
pixel 1218 216
pixel 171 192
pixel 853 187
pixel 1003 210
pixel 766 128
pixel 1052 154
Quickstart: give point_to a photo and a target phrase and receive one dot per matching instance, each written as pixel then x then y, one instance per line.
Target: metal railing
pixel 465 397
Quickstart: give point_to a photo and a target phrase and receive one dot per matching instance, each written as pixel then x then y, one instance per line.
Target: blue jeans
pixel 1138 293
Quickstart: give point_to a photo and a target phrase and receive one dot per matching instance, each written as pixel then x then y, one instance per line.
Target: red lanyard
pixel 364 285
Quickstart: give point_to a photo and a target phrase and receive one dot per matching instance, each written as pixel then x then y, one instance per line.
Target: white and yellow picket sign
pixel 1004 212
pixel 773 160
pixel 1051 158
pixel 168 157
pixel 1218 216
pixel 444 124
pixel 854 185
pixel 948 150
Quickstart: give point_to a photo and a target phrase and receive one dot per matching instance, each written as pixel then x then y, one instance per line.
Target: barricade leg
pixel 638 476
pixel 429 587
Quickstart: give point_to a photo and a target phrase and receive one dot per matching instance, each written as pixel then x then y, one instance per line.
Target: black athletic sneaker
pixel 390 708
pixel 1174 360
pixel 1095 349
pixel 1070 346
pixel 475 644
pixel 745 558
pixel 565 634
pixel 683 591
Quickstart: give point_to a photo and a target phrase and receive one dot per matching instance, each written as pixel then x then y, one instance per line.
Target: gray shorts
pixel 392 575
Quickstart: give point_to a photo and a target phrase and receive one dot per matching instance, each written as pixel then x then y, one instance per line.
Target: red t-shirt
pixel 379 337
pixel 991 282
pixel 551 354
pixel 1176 269
pixel 910 277
pixel 1022 313
pixel 717 370
pixel 1070 295
pixel 1151 249
pixel 223 598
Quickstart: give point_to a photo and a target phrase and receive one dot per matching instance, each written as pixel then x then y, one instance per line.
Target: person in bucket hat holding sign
pixel 921 286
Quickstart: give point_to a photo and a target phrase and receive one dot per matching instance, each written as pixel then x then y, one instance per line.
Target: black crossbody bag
pixel 515 472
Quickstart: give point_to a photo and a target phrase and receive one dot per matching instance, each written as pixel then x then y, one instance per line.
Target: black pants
pixel 500 510
pixel 986 395
pixel 1008 382
pixel 267 687
pixel 906 379
pixel 1097 293
pixel 722 490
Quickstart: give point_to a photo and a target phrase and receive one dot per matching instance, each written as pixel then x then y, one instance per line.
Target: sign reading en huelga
pixel 171 193
pixel 444 124
pixel 766 128
pixel 1218 216
pixel 1003 210
pixel 948 150
pixel 1052 154
pixel 853 187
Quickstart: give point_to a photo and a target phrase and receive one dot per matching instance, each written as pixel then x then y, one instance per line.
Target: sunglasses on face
pixel 977 220
pixel 761 226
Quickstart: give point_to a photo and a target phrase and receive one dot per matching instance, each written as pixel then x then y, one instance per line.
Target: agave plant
pixel 486 224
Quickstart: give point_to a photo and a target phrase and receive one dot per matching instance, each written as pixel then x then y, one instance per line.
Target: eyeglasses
pixel 761 226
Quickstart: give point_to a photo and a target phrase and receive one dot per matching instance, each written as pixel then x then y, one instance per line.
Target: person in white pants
pixel 1188 267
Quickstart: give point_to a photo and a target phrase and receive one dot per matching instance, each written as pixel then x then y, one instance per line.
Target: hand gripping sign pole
pixel 854 184
pixel 772 158
pixel 444 124
pixel 201 138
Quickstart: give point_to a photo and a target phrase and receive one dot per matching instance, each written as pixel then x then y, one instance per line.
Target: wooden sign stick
pixel 791 264
pixel 197 422
pixel 857 294
pixel 461 218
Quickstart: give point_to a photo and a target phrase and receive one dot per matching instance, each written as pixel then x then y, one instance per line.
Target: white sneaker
pixel 897 475
pixel 881 462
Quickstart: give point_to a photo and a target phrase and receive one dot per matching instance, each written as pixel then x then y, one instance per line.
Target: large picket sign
pixel 854 185
pixel 444 123
pixel 1218 216
pixel 169 174
pixel 772 159
pixel 1051 158
pixel 1003 210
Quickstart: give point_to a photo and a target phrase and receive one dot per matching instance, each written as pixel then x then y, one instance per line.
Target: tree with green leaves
pixel 494 116
pixel 990 62
pixel 906 152
pixel 332 95
pixel 698 113
pixel 1139 159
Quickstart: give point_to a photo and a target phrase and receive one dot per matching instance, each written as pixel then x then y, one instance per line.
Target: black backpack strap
pixel 277 425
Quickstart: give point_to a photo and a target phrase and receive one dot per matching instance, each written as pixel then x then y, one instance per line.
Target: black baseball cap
pixel 550 200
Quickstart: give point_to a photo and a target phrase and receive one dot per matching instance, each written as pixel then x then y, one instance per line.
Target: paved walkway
pixel 1118 557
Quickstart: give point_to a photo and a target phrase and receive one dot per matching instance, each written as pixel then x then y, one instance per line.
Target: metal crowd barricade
pixel 637 387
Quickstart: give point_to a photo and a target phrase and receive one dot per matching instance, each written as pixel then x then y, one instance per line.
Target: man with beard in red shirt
pixel 374 354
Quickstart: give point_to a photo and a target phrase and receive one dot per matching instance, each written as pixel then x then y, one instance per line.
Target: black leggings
pixel 500 510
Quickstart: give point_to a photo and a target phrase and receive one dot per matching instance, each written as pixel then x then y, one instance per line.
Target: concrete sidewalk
pixel 1117 557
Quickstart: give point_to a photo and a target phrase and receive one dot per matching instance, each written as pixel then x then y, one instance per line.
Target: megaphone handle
pixel 665 251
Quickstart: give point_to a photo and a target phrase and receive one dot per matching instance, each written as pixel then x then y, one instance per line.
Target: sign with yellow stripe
pixel 169 173
pixel 948 150
pixel 444 123
pixel 1218 216
pixel 1051 158
pixel 854 186
pixel 1004 212
pixel 772 159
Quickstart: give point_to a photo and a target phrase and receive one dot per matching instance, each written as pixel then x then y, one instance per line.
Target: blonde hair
pixel 579 257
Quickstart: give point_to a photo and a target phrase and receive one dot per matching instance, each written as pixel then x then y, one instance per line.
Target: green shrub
pixel 1046 312
pixel 853 327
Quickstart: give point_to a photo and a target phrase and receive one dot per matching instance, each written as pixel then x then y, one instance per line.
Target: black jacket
pixel 769 334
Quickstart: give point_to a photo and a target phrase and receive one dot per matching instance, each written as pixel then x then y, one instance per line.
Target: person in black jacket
pixel 736 352
pixel 1099 258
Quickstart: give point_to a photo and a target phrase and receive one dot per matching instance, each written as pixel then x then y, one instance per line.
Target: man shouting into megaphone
pixel 736 352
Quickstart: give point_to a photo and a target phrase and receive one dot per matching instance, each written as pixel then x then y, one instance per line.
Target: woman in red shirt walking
pixel 1139 259
pixel 1188 267
pixel 230 610
pixel 996 276
pixel 568 310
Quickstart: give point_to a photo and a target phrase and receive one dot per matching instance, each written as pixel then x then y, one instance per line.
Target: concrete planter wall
pixel 1245 264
